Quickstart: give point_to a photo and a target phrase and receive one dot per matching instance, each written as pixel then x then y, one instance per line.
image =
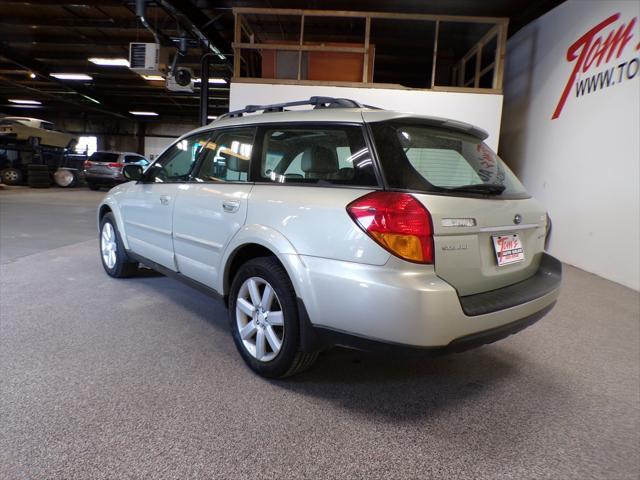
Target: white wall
pixel 482 110
pixel 155 145
pixel 583 164
pixel 161 135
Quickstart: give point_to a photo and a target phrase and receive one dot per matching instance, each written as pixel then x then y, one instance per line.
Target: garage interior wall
pixel 580 154
pixel 481 109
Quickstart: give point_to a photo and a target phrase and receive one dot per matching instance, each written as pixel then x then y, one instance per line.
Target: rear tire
pixel 112 253
pixel 264 319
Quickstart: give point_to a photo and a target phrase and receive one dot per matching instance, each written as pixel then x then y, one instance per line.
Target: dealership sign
pixel 610 43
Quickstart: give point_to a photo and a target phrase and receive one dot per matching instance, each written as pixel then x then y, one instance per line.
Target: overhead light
pixel 212 117
pixel 32 75
pixel 211 80
pixel 71 76
pixel 91 99
pixel 144 114
pixel 217 52
pixel 158 78
pixel 25 106
pixel 25 102
pixel 110 62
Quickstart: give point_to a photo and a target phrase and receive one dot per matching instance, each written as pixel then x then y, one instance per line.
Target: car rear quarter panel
pixel 315 221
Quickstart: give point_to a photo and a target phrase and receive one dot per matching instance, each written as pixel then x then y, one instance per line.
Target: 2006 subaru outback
pixel 339 225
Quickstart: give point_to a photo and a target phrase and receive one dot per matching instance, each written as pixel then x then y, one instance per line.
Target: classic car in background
pixel 35 131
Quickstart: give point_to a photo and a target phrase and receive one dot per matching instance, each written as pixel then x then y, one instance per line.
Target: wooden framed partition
pixel 245 40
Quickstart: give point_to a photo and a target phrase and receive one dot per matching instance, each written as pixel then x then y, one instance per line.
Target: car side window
pixel 319 154
pixel 176 163
pixel 227 156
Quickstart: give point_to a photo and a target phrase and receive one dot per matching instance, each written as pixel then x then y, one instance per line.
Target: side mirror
pixel 132 172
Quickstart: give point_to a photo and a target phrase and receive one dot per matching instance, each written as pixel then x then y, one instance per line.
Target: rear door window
pixel 227 156
pixel 316 154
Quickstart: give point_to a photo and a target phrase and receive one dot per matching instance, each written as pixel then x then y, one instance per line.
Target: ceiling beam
pixel 43 72
pixel 197 22
pixel 65 22
pixel 72 3
pixel 47 39
pixel 39 93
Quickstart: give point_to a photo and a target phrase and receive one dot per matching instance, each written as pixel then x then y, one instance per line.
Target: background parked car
pixel 104 168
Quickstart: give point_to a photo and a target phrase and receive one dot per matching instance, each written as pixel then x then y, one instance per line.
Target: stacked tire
pixel 38 176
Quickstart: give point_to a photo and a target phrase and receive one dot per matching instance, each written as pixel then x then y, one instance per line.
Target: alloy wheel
pixel 108 245
pixel 260 319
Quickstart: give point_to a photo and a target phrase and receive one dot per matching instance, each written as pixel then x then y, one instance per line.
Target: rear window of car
pixel 316 154
pixel 104 157
pixel 416 156
pixel 135 159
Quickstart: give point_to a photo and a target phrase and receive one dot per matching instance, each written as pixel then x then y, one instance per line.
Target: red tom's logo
pixel 597 47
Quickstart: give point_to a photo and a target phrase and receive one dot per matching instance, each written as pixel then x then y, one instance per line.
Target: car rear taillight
pixel 398 222
pixel 116 165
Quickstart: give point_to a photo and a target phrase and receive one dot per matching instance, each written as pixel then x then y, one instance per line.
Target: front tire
pixel 263 314
pixel 112 253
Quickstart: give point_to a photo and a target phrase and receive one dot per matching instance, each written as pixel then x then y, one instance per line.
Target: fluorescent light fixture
pixel 212 117
pixel 91 99
pixel 144 114
pixel 71 76
pixel 110 62
pixel 24 102
pixel 158 78
pixel 211 80
pixel 217 52
pixel 25 106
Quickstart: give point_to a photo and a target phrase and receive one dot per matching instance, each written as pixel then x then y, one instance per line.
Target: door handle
pixel 164 199
pixel 230 206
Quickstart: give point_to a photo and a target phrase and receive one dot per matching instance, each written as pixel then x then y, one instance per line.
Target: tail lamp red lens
pixel 116 165
pixel 398 222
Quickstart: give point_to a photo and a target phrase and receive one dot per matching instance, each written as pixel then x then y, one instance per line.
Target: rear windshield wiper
pixel 483 188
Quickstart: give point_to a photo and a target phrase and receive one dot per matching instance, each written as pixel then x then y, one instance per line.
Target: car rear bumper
pixel 326 336
pixel 103 179
pixel 411 307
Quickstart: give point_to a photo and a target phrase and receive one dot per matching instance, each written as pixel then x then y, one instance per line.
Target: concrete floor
pixel 139 378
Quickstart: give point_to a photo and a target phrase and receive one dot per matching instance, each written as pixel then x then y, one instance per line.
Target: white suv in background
pixel 340 225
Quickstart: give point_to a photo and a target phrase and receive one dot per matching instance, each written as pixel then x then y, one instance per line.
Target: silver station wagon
pixel 341 225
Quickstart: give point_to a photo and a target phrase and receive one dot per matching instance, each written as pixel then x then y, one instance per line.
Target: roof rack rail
pixel 317 102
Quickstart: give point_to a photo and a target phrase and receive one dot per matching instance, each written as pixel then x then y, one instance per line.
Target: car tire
pixel 112 253
pixel 65 178
pixel 93 186
pixel 267 333
pixel 11 176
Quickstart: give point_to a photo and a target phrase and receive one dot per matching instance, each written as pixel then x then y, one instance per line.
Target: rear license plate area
pixel 508 249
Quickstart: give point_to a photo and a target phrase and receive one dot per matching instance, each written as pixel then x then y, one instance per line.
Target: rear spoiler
pixel 436 122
